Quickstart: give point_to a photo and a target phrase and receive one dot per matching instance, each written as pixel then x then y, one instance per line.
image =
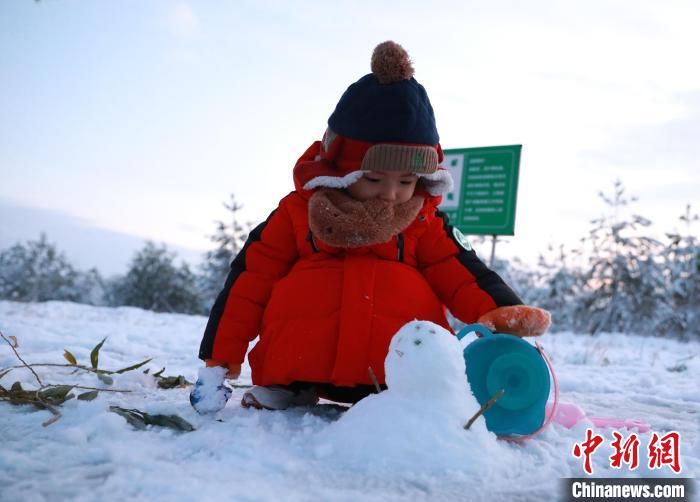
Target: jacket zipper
pixel 399 243
pixel 310 238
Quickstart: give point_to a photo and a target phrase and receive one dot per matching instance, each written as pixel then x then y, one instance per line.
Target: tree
pixel 624 288
pixel 558 288
pixel 682 266
pixel 153 282
pixel 91 287
pixel 37 272
pixel 229 238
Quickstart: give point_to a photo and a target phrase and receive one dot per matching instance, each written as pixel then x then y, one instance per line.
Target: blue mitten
pixel 210 394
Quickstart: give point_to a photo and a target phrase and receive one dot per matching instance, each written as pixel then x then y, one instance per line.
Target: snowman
pixel 417 424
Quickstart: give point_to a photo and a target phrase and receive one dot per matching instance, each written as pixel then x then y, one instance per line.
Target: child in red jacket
pixel 355 252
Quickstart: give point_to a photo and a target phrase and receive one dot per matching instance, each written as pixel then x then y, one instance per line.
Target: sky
pixel 141 118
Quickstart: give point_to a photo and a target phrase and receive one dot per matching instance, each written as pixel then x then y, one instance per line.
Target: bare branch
pixel 64 365
pixel 39 404
pixel 374 380
pixel 41 384
pixel 52 419
pixel 100 389
pixel 485 407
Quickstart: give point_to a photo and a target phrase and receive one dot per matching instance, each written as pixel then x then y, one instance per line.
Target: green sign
pixel 486 185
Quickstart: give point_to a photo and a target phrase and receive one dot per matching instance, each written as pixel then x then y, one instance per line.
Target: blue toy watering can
pixel 498 362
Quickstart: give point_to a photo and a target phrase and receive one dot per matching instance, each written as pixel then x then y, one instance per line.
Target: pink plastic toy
pixel 569 414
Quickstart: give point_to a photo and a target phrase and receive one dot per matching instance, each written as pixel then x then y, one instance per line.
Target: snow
pixel 419 421
pixel 210 394
pixel 392 446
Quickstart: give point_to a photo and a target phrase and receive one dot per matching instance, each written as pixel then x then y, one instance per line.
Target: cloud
pixel 85 243
pixel 659 146
pixel 183 21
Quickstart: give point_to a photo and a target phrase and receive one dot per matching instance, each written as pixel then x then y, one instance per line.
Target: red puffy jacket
pixel 327 314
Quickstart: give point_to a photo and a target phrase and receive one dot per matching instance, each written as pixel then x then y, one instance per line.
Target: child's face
pixel 390 186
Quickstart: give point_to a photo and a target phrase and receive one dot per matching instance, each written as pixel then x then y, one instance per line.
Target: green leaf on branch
pixel 170 421
pixel 135 366
pixel 95 354
pixel 88 396
pixel 173 382
pixel 107 380
pixel 18 396
pixel 159 373
pixel 140 420
pixel 57 394
pixel 70 357
pixel 134 417
pixel 56 391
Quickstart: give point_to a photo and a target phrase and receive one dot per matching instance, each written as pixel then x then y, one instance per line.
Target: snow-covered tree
pixel 153 282
pixel 558 287
pixel 229 238
pixel 682 264
pixel 518 276
pixel 624 287
pixel 36 272
pixel 91 287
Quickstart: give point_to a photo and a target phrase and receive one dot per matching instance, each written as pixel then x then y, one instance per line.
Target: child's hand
pixel 519 320
pixel 210 394
pixel 234 370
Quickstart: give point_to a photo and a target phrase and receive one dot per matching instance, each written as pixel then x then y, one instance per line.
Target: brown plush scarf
pixel 341 221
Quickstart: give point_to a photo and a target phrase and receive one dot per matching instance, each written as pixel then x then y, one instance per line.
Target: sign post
pixel 484 197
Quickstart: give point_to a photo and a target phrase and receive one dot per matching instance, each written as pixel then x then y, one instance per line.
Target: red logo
pixel 663 451
pixel 627 452
pixel 587 449
pixel 668 453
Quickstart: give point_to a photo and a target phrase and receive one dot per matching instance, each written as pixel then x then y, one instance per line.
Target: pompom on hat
pixel 383 122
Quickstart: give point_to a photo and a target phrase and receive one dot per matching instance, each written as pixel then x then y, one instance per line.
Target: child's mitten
pixel 519 320
pixel 210 394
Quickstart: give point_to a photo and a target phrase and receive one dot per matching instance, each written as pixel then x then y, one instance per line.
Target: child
pixel 355 252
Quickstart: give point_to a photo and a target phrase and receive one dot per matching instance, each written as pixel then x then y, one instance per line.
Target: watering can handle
pixel 553 409
pixel 471 328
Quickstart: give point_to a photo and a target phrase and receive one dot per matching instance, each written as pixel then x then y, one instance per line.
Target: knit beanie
pixel 383 122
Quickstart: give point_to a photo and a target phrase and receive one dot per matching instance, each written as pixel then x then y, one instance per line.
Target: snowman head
pixel 425 360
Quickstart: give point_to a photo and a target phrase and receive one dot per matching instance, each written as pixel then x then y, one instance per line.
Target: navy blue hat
pixel 383 122
pixel 387 105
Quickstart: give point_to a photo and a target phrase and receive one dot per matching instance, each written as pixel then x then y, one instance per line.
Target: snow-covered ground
pixel 316 453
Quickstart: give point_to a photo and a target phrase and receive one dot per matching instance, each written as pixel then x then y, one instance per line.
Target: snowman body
pixel 420 418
